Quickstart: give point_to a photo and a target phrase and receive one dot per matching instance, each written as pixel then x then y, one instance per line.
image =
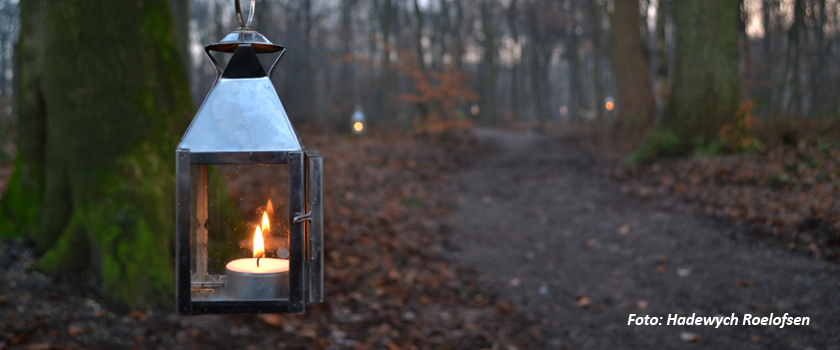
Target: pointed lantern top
pixel 242 112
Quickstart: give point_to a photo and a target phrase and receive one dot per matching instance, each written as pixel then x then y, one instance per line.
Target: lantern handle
pixel 216 64
pixel 276 61
pixel 242 23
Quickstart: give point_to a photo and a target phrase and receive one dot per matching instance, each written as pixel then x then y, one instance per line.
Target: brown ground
pixel 426 252
pixel 545 226
pixel 387 282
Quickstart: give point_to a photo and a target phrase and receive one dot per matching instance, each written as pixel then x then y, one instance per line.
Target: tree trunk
pixel 636 106
pixel 100 114
pixel 441 31
pixel 576 99
pixel 385 85
pixel 418 38
pixel 791 61
pixel 459 39
pixel 540 57
pixel 488 97
pixel 706 93
pixel 662 74
pixel 514 76
pixel 818 73
pixel 597 79
pixel 181 22
pixel 309 97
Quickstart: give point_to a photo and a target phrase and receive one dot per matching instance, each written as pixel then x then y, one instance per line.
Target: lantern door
pixel 250 238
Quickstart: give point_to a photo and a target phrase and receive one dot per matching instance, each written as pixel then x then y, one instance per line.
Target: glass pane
pixel 241 253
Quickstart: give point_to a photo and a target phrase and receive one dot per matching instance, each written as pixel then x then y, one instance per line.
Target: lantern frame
pixel 215 137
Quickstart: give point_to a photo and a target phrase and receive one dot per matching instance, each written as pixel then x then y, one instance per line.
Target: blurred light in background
pixel 358 120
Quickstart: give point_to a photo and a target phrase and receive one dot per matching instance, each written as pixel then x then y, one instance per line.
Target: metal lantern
pixel 263 253
pixel 358 120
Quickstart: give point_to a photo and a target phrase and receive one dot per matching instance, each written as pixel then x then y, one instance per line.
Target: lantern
pixel 249 199
pixel 358 120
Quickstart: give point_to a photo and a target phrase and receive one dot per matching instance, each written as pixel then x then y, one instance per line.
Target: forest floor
pixel 498 239
pixel 388 284
pixel 549 227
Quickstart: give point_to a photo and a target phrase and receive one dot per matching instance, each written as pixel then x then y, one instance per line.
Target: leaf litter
pixel 387 284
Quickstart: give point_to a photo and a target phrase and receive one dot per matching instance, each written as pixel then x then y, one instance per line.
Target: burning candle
pixel 258 277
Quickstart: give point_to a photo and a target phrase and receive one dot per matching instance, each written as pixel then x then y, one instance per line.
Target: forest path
pixel 555 237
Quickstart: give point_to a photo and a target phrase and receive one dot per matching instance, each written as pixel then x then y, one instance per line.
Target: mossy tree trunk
pixel 706 94
pixel 102 103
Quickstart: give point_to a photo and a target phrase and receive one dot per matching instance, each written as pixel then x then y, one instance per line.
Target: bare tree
pixel 635 100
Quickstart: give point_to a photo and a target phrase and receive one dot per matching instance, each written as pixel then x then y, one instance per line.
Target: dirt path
pixel 543 225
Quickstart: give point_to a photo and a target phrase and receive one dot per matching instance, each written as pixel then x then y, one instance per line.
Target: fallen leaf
pixel 745 284
pixel 503 307
pixel 683 272
pixel 642 304
pixel 40 346
pixel 660 269
pixel 139 314
pixel 74 330
pixel 755 338
pixel 624 230
pixel 584 301
pixel 271 319
pixel 591 242
pixel 514 282
pixel 689 337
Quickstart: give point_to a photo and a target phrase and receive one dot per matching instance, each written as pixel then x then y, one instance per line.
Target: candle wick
pixel 258 261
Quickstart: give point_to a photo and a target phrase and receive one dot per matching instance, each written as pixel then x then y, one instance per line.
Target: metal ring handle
pixel 242 23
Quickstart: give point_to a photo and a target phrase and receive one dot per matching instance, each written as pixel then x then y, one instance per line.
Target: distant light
pixel 474 110
pixel 564 110
pixel 358 120
pixel 610 105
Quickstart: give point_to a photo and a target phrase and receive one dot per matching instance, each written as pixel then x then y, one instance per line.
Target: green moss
pixel 133 221
pixel 19 207
pixel 660 143
pixel 70 253
pixel 157 25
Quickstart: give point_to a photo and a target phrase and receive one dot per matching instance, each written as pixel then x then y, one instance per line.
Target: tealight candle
pixel 257 277
pixel 245 280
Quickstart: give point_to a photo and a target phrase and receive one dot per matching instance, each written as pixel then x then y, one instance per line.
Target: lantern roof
pixel 242 112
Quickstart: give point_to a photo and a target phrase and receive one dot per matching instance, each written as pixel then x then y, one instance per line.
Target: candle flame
pixel 265 225
pixel 358 126
pixel 259 246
